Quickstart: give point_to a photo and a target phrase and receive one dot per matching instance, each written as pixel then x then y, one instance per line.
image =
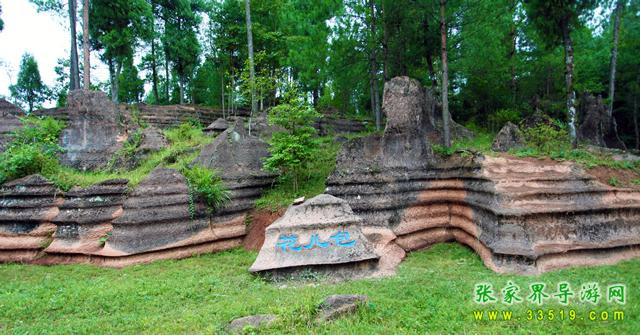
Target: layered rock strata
pixel 523 216
pixel 238 158
pixel 27 208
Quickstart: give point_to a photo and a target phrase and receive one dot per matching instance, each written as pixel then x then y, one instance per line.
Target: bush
pixel 547 138
pixel 206 185
pixel 32 150
pixel 294 148
pixel 498 119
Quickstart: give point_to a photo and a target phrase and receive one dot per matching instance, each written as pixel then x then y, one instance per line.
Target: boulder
pixel 596 126
pixel 323 235
pixel 509 137
pixel 91 136
pixel 339 305
pixel 217 126
pixel 253 321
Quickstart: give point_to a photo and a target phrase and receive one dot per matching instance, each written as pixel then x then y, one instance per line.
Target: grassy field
pixel 432 293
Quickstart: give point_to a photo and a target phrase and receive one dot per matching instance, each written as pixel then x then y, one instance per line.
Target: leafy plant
pixel 206 185
pixel 32 150
pixel 294 148
pixel 500 117
pixel 613 181
pixel 547 137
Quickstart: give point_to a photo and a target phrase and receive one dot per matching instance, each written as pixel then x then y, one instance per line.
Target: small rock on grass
pixel 256 321
pixel 336 306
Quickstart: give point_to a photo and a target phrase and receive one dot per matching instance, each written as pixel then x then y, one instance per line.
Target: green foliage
pixel 32 150
pixel 546 138
pixel 294 148
pixel 201 294
pixel 613 181
pixel 207 185
pixel 500 117
pixel 131 87
pixel 29 91
pixel 314 176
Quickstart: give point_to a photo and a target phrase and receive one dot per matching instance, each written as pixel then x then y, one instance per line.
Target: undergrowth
pixel 312 181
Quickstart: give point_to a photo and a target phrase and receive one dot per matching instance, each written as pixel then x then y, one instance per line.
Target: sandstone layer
pixel 523 216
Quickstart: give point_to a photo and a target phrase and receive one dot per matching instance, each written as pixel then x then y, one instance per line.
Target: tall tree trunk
pixel 635 111
pixel 445 75
pixel 154 71
pixel 74 78
pixel 85 45
pixel 385 44
pixel 512 55
pixel 571 94
pixel 181 86
pixel 613 126
pixel 432 73
pixel 166 79
pixel 635 120
pixel 154 62
pixel 222 96
pixel 373 67
pixel 252 70
pixel 614 56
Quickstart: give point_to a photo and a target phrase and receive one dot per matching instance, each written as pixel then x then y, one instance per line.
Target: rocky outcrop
pixel 173 115
pixel 523 216
pixel 596 126
pixel 509 137
pixel 238 159
pixel 217 127
pixel 328 125
pixel 91 136
pixel 27 209
pixel 9 122
pixel 161 220
pixel 105 225
pixel 84 220
pixel 323 235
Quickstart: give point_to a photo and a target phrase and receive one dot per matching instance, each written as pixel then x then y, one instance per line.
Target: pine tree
pixel 29 90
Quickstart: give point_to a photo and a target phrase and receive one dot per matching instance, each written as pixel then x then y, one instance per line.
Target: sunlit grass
pixel 432 293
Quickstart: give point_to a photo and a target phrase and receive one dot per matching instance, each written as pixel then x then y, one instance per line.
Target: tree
pixel 1 22
pixel 445 75
pixel 182 47
pixel 117 27
pixel 554 21
pixel 373 65
pixel 294 148
pixel 29 89
pixel 614 58
pixel 85 45
pixel 56 6
pixel 131 87
pixel 252 70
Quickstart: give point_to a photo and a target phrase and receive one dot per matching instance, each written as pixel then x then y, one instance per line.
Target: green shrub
pixel 500 117
pixel 547 138
pixel 294 148
pixel 184 133
pixel 206 185
pixel 32 150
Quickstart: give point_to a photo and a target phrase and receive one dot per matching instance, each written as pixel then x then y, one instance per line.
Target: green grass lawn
pixel 433 292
